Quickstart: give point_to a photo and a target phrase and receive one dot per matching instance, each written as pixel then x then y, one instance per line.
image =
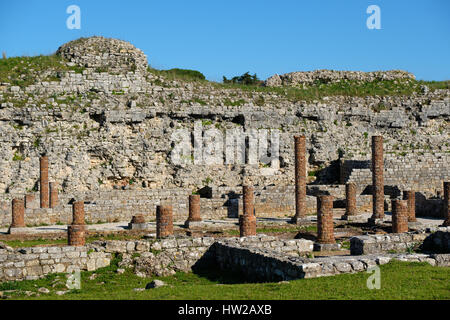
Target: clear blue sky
pixel 234 36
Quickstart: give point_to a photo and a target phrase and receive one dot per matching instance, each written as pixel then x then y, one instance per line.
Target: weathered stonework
pixel 373 244
pixel 36 262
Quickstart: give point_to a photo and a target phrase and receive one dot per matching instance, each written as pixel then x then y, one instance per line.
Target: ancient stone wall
pixel 33 263
pixel 110 125
pixel 396 242
pixel 330 76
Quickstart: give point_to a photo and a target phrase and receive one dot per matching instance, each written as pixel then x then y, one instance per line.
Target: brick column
pixel 247 225
pixel 76 235
pixel 77 230
pixel 78 213
pixel 300 178
pixel 377 178
pixel 248 200
pixel 18 213
pixel 53 194
pixel 164 221
pixel 446 207
pixel 43 188
pixel 350 200
pixel 194 208
pixel 139 218
pixel 399 216
pixel 410 197
pixel 29 198
pixel 325 228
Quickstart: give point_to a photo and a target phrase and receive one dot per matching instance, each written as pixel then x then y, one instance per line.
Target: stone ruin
pixel 268 257
pixel 246 195
pixel 104 54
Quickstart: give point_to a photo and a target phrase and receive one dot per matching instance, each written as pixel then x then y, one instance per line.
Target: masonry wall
pixel 395 242
pixel 33 263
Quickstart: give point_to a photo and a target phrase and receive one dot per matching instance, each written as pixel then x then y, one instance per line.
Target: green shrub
pixel 178 74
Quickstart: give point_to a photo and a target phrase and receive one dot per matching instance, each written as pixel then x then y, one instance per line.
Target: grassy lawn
pixel 269 230
pixel 399 280
pixel 40 242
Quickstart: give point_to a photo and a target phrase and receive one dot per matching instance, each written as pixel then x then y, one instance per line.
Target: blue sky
pixel 231 37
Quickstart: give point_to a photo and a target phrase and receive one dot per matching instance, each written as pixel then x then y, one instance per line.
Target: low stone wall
pixel 268 265
pixel 258 257
pixel 33 263
pixel 398 242
pixel 165 257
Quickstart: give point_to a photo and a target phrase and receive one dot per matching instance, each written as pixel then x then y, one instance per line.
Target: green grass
pixel 344 88
pixel 178 74
pixel 399 280
pixel 268 230
pixel 23 71
pixel 40 242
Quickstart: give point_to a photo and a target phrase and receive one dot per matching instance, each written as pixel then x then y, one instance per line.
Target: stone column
pixel 325 228
pixel 77 230
pixel 300 178
pixel 446 207
pixel 377 179
pixel 43 188
pixel 410 197
pixel 399 216
pixel 247 225
pixel 164 221
pixel 350 201
pixel 53 194
pixel 18 213
pixel 194 211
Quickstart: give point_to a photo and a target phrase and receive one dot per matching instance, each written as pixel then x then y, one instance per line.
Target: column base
pixel 193 224
pixel 138 226
pixel 299 221
pixel 375 221
pixel 353 218
pixel 326 246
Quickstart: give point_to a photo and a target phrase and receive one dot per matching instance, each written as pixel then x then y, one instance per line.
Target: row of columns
pixel 350 191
